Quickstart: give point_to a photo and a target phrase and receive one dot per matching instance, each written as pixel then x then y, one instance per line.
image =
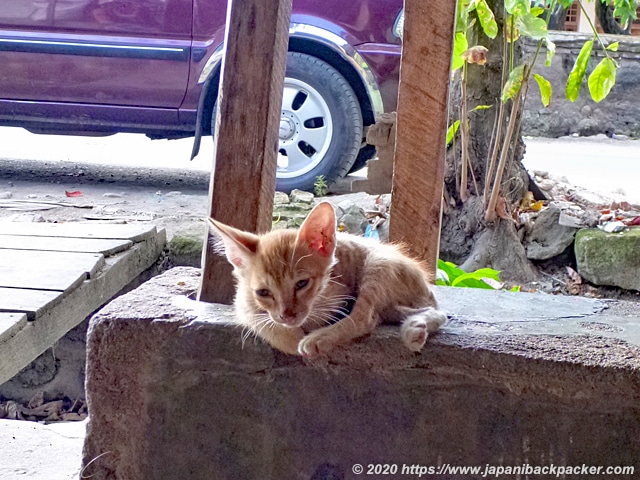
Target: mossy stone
pixel 609 258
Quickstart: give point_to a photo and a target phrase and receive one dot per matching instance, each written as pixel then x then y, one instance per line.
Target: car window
pixel 99 16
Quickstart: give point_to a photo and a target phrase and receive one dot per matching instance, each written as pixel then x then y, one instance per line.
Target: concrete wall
pixel 173 394
pixel 618 114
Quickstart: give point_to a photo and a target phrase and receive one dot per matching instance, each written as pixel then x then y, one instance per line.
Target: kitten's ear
pixel 238 246
pixel 319 230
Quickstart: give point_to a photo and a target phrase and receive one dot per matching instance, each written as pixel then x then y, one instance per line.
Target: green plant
pixel 523 19
pixel 320 186
pixel 452 276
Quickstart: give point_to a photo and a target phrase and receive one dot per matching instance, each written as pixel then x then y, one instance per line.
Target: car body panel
pixel 127 65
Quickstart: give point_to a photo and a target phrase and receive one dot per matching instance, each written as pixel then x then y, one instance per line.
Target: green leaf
pixel 514 83
pixel 517 7
pixel 452 130
pixel 613 47
pixel 487 19
pixel 545 89
pixel 551 51
pixel 602 79
pixel 450 270
pixel 578 71
pixel 515 288
pixel 531 26
pixel 462 15
pixel 473 283
pixel 476 275
pixel 625 11
pixel 441 277
pixel 480 107
pixel 537 11
pixel 460 45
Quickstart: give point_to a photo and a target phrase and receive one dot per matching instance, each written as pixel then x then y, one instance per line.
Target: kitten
pixel 308 291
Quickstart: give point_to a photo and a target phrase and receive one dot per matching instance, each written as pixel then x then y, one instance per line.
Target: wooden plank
pixel 246 136
pixel 421 127
pixel 10 324
pixel 64 244
pixel 35 270
pixel 58 318
pixel 31 302
pixel 135 233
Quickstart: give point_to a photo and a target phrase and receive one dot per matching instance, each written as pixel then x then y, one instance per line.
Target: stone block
pixel 185 247
pixel 609 258
pixel 548 238
pixel 174 392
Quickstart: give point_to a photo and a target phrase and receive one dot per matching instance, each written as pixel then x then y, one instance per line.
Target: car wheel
pixel 320 126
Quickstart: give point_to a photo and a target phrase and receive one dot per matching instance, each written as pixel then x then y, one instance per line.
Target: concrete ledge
pixel 173 393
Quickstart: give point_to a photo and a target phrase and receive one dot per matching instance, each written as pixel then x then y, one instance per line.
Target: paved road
pixel 600 164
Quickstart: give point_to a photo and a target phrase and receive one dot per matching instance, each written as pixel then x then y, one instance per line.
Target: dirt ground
pixel 67 191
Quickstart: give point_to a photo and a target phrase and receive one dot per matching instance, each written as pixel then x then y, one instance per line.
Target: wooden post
pixel 246 138
pixel 419 163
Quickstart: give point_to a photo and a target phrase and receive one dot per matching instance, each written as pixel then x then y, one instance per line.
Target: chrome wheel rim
pixel 305 131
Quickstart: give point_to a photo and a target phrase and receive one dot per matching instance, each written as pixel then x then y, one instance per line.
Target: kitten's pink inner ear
pixel 239 246
pixel 319 229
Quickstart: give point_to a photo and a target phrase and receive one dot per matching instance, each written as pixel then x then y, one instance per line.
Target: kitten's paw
pixel 414 333
pixel 435 319
pixel 315 344
pixel 416 328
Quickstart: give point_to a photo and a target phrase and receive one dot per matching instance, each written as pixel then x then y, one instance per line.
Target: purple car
pixel 98 67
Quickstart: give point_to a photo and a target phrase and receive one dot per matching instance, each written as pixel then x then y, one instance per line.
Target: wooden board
pixel 32 319
pixel 135 233
pixel 64 244
pixel 55 271
pixel 30 302
pixel 421 127
pixel 246 134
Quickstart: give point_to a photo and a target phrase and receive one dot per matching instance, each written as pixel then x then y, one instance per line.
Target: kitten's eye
pixel 300 284
pixel 263 292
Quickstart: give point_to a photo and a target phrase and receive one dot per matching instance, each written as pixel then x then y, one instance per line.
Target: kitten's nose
pixel 288 317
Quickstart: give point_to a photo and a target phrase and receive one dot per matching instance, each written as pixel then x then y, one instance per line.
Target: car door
pixel 104 52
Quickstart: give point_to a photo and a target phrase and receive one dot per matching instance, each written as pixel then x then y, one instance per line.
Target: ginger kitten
pixel 310 290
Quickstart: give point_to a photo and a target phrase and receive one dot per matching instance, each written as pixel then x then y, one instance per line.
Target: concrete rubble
pixel 602 231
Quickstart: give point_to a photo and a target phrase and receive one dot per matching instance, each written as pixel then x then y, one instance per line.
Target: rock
pixel 546 184
pixel 280 198
pixel 547 237
pixel 573 218
pixel 541 173
pixel 185 247
pixel 352 217
pixel 290 215
pixel 609 258
pixel 299 196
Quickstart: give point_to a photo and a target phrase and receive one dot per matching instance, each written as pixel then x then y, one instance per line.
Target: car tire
pixel 320 108
pixel 320 130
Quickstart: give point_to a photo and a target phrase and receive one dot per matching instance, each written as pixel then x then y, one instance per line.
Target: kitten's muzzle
pixel 289 319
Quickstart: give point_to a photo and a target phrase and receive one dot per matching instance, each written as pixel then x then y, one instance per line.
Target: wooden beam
pixel 246 137
pixel 419 162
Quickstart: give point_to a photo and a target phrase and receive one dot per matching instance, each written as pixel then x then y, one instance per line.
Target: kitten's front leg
pixel 360 322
